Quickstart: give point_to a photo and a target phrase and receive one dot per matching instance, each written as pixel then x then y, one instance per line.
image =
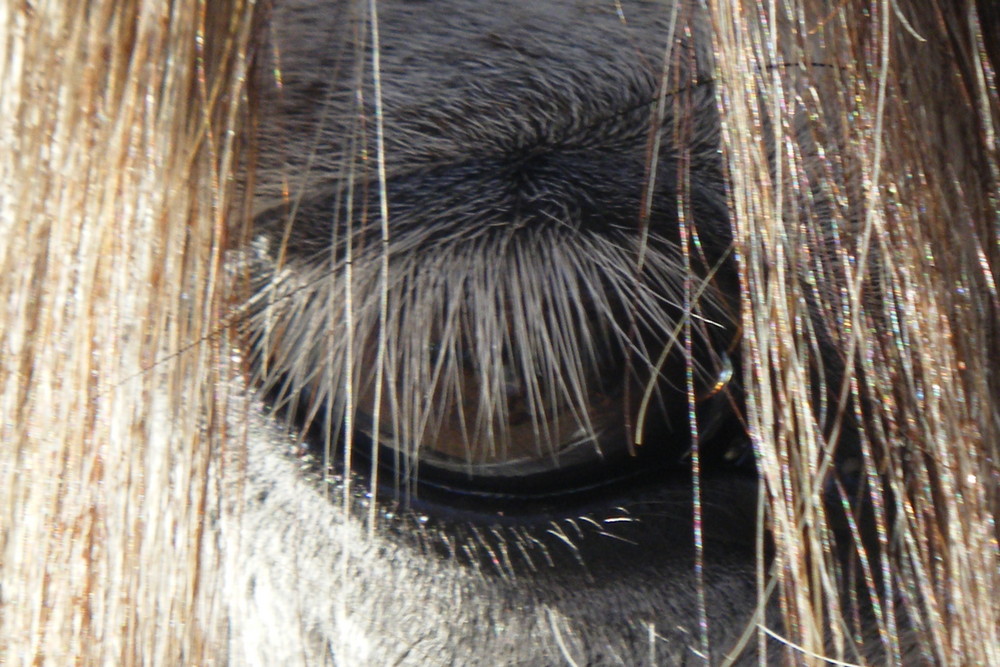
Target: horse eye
pixel 537 444
pixel 505 424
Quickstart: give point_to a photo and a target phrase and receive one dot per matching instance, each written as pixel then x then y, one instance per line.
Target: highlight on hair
pixel 122 126
pixel 862 158
pixel 863 170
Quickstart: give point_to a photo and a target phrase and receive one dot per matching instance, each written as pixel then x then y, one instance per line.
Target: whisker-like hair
pixel 485 329
pixel 811 194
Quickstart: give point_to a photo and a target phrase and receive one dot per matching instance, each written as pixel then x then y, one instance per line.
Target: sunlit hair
pixel 121 129
pixel 860 151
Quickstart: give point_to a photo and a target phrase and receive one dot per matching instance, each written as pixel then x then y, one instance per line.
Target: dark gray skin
pixel 496 114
